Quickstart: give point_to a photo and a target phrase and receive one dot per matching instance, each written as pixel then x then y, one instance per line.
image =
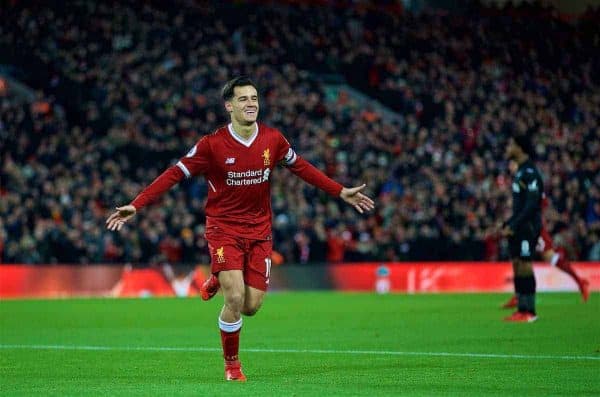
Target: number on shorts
pixel 268 267
pixel 541 244
pixel 525 248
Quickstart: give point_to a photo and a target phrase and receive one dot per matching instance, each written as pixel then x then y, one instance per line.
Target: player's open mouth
pixel 251 112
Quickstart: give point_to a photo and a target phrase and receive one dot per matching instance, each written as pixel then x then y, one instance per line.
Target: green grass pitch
pixel 316 344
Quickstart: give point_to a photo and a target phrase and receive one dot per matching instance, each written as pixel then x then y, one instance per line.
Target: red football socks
pixel 231 344
pixel 230 339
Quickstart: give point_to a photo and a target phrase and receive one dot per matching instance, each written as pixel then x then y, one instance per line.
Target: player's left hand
pixel 359 201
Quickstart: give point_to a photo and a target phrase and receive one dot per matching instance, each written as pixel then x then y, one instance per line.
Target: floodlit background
pixel 416 98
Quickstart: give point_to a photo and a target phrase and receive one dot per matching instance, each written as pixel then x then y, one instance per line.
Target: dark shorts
pixel 523 243
pixel 252 257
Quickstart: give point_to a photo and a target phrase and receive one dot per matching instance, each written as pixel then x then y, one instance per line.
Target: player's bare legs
pixel 253 301
pixel 559 259
pixel 230 321
pixel 232 283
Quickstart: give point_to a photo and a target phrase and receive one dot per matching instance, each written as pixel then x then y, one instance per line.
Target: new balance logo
pixel 230 160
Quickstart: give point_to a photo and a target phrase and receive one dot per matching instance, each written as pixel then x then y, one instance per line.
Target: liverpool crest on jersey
pixel 220 255
pixel 267 157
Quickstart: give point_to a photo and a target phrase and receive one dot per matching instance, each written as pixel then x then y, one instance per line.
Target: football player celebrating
pixel 237 161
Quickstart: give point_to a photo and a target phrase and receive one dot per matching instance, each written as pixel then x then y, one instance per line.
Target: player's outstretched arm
pixel 157 188
pixel 117 219
pixel 309 173
pixel 195 162
pixel 354 197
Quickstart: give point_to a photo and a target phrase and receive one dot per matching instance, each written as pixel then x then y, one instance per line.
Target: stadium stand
pixel 123 89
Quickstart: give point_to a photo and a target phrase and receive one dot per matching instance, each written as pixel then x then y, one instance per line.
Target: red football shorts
pixel 544 241
pixel 252 257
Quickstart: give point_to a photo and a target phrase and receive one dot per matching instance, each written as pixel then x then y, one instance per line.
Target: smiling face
pixel 243 107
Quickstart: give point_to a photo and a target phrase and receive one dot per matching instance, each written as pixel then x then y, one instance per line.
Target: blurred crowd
pixel 126 88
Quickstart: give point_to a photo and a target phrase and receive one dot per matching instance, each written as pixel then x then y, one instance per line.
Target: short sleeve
pixel 197 160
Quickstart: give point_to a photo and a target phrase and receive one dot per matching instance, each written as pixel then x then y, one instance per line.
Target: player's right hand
pixel 117 219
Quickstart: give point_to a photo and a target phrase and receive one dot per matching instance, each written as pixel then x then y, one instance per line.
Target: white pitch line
pixel 305 351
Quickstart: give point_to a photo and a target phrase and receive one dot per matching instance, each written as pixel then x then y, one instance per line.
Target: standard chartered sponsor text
pixel 245 178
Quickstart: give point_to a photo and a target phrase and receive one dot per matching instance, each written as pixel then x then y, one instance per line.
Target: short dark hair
pixel 240 81
pixel 525 143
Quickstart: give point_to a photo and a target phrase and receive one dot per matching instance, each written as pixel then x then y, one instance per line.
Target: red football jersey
pixel 237 172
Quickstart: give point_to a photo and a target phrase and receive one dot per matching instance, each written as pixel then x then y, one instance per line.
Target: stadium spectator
pixel 122 87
